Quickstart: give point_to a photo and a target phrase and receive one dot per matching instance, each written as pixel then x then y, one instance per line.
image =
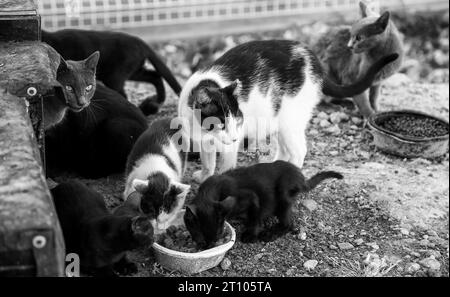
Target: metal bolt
pixel 31 91
pixel 39 241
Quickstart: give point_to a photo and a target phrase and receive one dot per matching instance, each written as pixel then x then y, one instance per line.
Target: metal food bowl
pixel 403 145
pixel 190 263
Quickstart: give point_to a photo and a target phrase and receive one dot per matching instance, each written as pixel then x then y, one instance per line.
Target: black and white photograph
pixel 221 140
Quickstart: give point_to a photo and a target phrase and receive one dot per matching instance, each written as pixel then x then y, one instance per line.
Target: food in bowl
pixel 414 126
pixel 179 239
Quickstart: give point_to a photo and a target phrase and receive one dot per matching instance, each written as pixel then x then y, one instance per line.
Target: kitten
pixel 122 58
pixel 279 81
pixel 77 79
pixel 99 238
pixel 347 53
pixel 254 193
pixel 96 141
pixel 154 170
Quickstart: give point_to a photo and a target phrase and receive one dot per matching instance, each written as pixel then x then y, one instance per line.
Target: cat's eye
pixel 89 88
pixel 69 88
pixel 358 38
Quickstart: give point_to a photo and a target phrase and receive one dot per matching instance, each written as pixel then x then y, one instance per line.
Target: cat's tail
pixel 319 177
pixel 151 104
pixel 330 88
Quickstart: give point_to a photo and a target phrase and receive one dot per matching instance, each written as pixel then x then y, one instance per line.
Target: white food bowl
pixel 191 263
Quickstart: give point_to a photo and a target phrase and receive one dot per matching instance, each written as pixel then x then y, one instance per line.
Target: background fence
pixel 129 14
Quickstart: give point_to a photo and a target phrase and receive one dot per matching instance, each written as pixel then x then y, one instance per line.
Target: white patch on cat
pixel 165 219
pixel 147 165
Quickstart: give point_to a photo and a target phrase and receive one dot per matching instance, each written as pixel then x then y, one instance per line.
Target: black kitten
pixel 99 238
pixel 96 141
pixel 255 193
pixel 122 57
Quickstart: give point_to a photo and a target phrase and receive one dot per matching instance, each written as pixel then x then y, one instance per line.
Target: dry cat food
pixel 179 239
pixel 415 126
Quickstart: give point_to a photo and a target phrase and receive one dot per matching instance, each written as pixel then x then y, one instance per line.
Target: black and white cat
pixel 278 81
pixel 77 79
pixel 155 170
pixel 255 193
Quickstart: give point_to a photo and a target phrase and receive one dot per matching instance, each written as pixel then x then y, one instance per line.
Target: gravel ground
pixel 388 217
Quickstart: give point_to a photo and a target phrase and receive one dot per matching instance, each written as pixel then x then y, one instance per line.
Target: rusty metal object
pixel 407 146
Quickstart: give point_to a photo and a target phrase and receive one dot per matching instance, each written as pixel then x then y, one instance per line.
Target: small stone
pixel 310 264
pixel 310 204
pixel 432 233
pixel 290 272
pixel 356 120
pixel 412 268
pixel 335 130
pixel 373 245
pixel 225 264
pixel 323 115
pixel 333 247
pixel 434 254
pixel 333 153
pixel 258 256
pixel 354 127
pixel 313 132
pixel 324 123
pixel 359 241
pixel 404 231
pixel 335 118
pixel 430 263
pixel 345 246
pixel 302 235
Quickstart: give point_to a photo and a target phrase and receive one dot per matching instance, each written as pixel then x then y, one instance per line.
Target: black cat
pixel 100 238
pixel 96 141
pixel 254 193
pixel 122 57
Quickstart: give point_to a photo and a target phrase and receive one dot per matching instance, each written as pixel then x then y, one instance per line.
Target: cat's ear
pixel 62 65
pixel 234 88
pixel 92 61
pixel 140 185
pixel 363 9
pixel 383 20
pixel 180 189
pixel 227 205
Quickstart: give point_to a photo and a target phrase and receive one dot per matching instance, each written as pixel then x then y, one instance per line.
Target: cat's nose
pixel 83 101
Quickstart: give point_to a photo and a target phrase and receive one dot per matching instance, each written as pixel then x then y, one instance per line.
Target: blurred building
pixel 161 18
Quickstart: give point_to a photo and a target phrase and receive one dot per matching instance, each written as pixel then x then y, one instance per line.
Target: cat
pixel 95 142
pixel 347 52
pixel 122 58
pixel 77 79
pixel 254 193
pixel 154 170
pixel 100 238
pixel 279 81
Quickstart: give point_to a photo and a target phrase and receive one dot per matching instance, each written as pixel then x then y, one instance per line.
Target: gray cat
pixel 77 79
pixel 347 52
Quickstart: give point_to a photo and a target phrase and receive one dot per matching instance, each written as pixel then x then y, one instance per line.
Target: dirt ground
pixel 388 217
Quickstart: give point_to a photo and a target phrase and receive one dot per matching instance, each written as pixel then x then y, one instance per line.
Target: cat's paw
pixel 125 267
pixel 248 237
